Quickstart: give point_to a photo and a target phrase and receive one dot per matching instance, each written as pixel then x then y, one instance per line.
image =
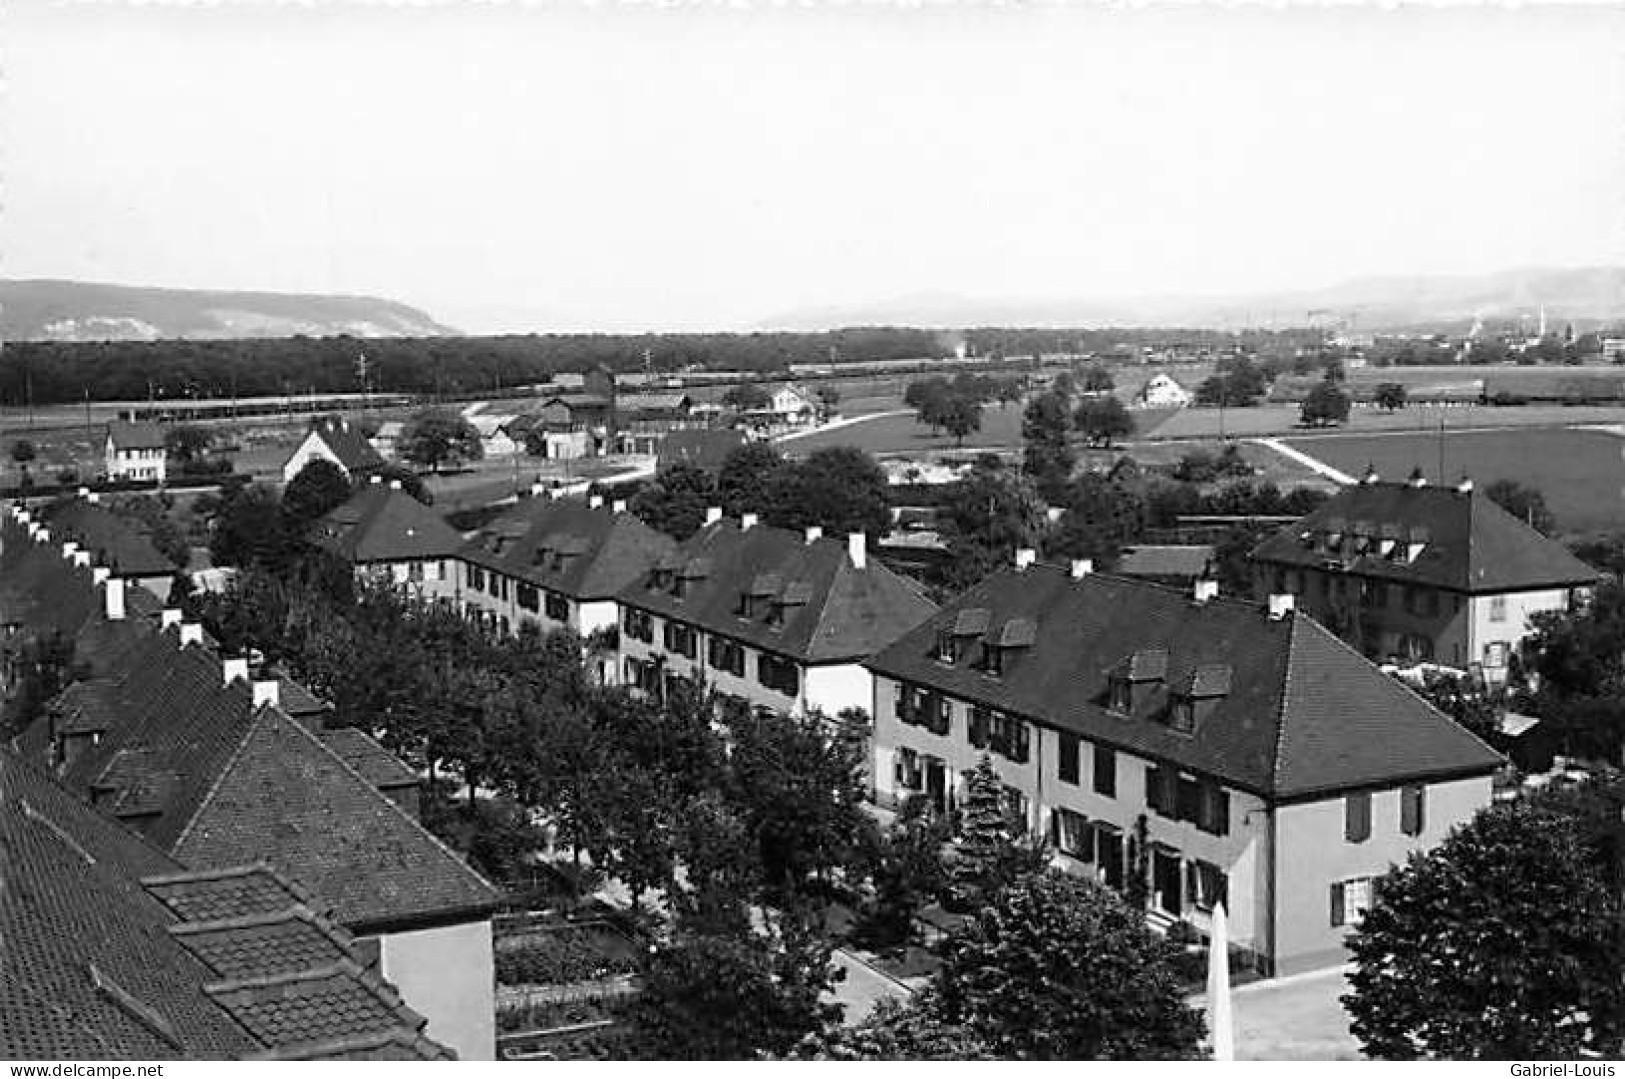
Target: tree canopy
pixel 1524 502
pixel 434 439
pixel 675 503
pixel 1101 419
pixel 319 487
pixel 1327 403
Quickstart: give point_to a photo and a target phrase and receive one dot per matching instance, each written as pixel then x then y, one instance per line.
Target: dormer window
pixel 970 623
pixel 1002 645
pixel 1130 682
pixel 1194 696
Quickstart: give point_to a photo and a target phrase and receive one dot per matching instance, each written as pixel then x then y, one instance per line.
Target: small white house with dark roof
pixel 135 451
pixel 334 439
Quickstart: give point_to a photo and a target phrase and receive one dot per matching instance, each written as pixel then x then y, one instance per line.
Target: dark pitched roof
pixel 372 761
pixel 106 957
pixel 702 447
pixel 568 546
pixel 348 444
pixel 1466 542
pixel 831 610
pixel 1297 712
pixel 123 544
pixel 136 436
pixel 216 782
pixel 382 523
pixel 1165 561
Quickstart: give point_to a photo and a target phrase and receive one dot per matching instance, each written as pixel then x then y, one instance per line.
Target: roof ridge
pixel 1281 698
pixel 225 769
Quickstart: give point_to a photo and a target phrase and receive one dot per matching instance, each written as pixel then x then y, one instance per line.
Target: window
pixel 936 715
pixel 1357 817
pixel 980 728
pixel 1350 900
pixel 557 607
pixel 1498 608
pixel 1069 759
pixel 1120 695
pixel 1166 880
pixel 1495 654
pixel 1106 771
pixel 906 770
pixel 1208 885
pixel 1015 802
pixel 778 674
pixel 1109 853
pixel 1182 715
pixel 476 577
pixel 1072 834
pixel 1213 810
pixel 1010 738
pixel 726 655
pixel 529 598
pixel 638 625
pixel 1412 806
pixel 680 639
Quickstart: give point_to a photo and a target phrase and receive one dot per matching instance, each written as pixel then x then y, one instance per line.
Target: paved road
pixel 1294 1018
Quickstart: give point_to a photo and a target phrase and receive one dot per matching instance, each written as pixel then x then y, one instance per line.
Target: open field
pixel 1283 419
pixel 1581 473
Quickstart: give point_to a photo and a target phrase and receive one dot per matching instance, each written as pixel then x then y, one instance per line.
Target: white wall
pixel 834 688
pixel 311 448
pixel 448 976
pixel 1482 631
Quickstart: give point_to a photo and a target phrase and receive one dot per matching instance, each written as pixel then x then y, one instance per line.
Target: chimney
pixel 815 533
pixel 1082 567
pixel 70 549
pixel 191 633
pixel 394 485
pixel 595 502
pixel 93 498
pixel 22 515
pixel 1025 556
pixel 265 692
pixel 747 521
pixel 375 478
pixel 1053 514
pixel 1417 479
pixel 40 533
pixel 536 489
pixel 1466 485
pixel 618 506
pixel 1370 476
pixel 1281 603
pixel 170 617
pixel 99 574
pixel 81 559
pixel 113 599
pixel 713 515
pixel 857 549
pixel 233 669
pixel 1205 589
pixel 84 492
pixel 344 424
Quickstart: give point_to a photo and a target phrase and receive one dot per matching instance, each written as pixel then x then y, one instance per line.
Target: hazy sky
pixel 560 167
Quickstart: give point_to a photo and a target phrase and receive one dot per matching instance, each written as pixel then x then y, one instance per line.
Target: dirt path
pixel 1316 466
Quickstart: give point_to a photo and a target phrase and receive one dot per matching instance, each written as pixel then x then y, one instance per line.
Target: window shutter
pixel 1221 810
pixel 1410 810
pixel 1337 904
pixel 1153 787
pixel 1357 817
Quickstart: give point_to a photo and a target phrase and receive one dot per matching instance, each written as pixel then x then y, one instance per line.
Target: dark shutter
pixel 1337 904
pixel 1153 787
pixel 1069 758
pixel 1410 810
pixel 1357 817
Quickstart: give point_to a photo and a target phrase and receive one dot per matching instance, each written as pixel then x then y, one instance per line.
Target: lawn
pixel 1580 472
pixel 1264 420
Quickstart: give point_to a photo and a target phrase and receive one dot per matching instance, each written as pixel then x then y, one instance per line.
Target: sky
pixel 641 167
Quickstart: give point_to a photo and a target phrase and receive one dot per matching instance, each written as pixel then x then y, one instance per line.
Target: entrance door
pixel 1165 879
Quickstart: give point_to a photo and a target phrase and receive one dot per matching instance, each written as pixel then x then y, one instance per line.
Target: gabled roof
pixel 1296 713
pixel 371 761
pixel 111 955
pixel 136 436
pixel 568 546
pixel 123 544
pixel 214 781
pixel 347 443
pixel 702 447
pixel 1466 542
pixel 632 403
pixel 836 613
pixel 382 523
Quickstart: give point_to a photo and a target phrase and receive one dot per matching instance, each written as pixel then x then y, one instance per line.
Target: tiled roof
pixel 123 544
pixel 354 848
pixel 348 444
pixel 1297 712
pixel 382 523
pixel 106 957
pixel 1464 541
pixel 136 436
pixel 375 764
pixel 835 611
pixel 567 546
pixel 632 403
pixel 1165 561
pixel 702 447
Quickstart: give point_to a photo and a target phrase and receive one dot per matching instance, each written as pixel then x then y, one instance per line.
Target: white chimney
pixel 1370 476
pixel 1082 567
pixel 896 514
pixel 595 502
pixel 1418 480
pixel 537 488
pixel 84 492
pixel 747 521
pixel 113 599
pixel 1281 603
pixel 1205 589
pixel 93 498
pixel 1025 556
pixel 22 515
pixel 81 559
pixel 40 533
pixel 1053 514
pixel 191 633
pixel 618 506
pixel 857 549
pixel 815 533
pixel 233 669
pixel 99 575
pixel 70 549
pixel 394 485
pixel 170 617
pixel 713 514
pixel 1466 485
pixel 265 692
pixel 375 478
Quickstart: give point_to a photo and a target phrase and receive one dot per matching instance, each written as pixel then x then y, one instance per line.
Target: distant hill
pixel 47 310
pixel 1588 297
